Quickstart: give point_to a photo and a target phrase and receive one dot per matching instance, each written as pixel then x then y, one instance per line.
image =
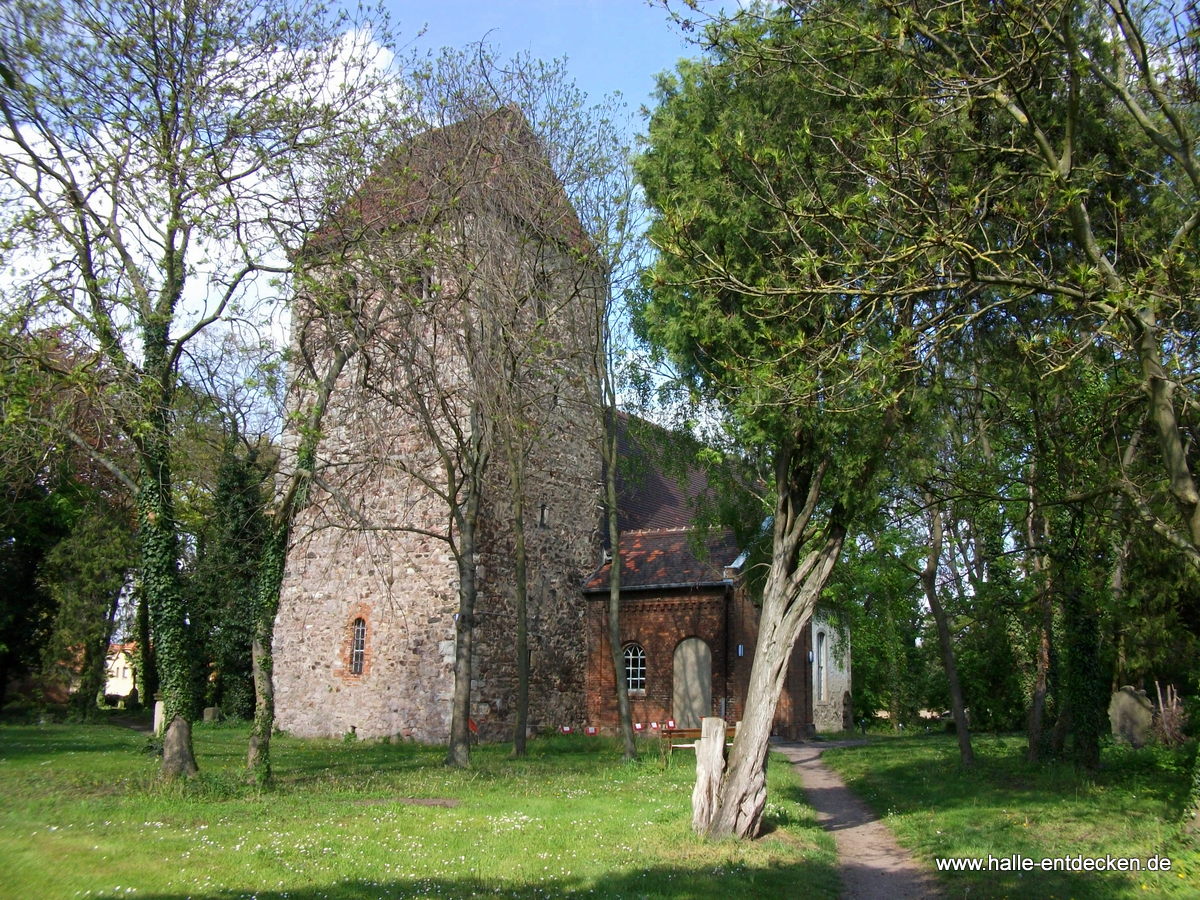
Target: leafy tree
pixel 161 158
pixel 32 521
pixel 53 491
pixel 814 362
pixel 223 579
pixel 1039 160
pixel 86 573
pixel 874 586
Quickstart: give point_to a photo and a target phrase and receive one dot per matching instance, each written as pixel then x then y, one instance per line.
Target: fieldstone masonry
pixel 388 562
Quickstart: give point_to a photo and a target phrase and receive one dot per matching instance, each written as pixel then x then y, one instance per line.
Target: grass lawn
pixel 82 814
pixel 1130 808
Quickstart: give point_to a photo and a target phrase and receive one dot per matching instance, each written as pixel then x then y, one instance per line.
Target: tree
pixel 874 588
pixel 59 565
pixel 86 574
pixel 161 160
pixel 813 368
pixel 1038 160
pixel 223 578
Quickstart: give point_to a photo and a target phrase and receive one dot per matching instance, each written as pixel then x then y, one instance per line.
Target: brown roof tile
pixel 649 496
pixel 675 557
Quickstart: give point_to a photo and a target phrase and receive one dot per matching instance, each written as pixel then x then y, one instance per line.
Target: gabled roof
pixel 648 495
pixel 658 490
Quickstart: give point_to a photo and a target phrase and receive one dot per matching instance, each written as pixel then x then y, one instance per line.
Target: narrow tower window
pixel 358 647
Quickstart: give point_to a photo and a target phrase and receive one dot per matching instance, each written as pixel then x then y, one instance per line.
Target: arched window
pixel 635 668
pixel 820 654
pixel 358 646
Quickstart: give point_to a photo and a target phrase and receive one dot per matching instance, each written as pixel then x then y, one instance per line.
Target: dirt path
pixel 872 864
pixel 137 723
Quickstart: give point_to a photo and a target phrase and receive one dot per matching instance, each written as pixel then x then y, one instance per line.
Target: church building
pixel 472 243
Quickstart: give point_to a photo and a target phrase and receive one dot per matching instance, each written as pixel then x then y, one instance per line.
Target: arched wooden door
pixel 692 686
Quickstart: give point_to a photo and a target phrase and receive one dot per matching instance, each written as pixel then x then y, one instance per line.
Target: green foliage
pixel 875 589
pixel 223 581
pixel 32 522
pixel 730 171
pixel 86 574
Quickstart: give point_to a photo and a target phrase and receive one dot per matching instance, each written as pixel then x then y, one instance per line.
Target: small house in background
pixel 119 676
pixel 689 622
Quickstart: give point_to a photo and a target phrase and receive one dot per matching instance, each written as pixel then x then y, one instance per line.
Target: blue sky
pixel 610 45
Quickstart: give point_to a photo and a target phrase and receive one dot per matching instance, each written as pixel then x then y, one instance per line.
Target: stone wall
pixel 832 706
pixel 375 543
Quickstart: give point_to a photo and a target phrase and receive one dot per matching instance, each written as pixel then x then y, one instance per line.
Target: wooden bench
pixel 671 739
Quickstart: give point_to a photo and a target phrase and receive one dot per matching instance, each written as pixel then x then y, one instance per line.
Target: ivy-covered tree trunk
pixel 271 570
pixel 258 756
pixel 159 546
pixel 95 655
pixel 1041 684
pixel 1085 679
pixel 144 667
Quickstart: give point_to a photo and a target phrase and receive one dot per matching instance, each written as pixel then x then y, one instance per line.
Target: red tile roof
pixel 658 487
pixel 669 557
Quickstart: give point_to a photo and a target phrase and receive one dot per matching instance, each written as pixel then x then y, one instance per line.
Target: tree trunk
pixel 258 757
pixel 270 575
pixel 1085 682
pixel 168 613
pixel 95 653
pixel 521 595
pixel 624 712
pixel 791 592
pixel 743 792
pixel 1036 537
pixel 459 751
pixel 270 582
pixel 1161 391
pixel 945 643
pixel 1037 709
pixel 710 762
pixel 178 758
pixel 146 670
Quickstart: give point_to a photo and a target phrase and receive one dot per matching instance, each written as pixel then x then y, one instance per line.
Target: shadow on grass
pixel 31 741
pixel 994 805
pixel 815 880
pixel 1127 779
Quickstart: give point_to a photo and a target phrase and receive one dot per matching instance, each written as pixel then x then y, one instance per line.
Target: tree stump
pixel 710 766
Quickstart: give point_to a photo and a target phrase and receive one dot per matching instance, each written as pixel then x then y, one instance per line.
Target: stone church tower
pixel 469 294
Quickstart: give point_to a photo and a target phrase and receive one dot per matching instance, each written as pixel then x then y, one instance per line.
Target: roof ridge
pixel 675 528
